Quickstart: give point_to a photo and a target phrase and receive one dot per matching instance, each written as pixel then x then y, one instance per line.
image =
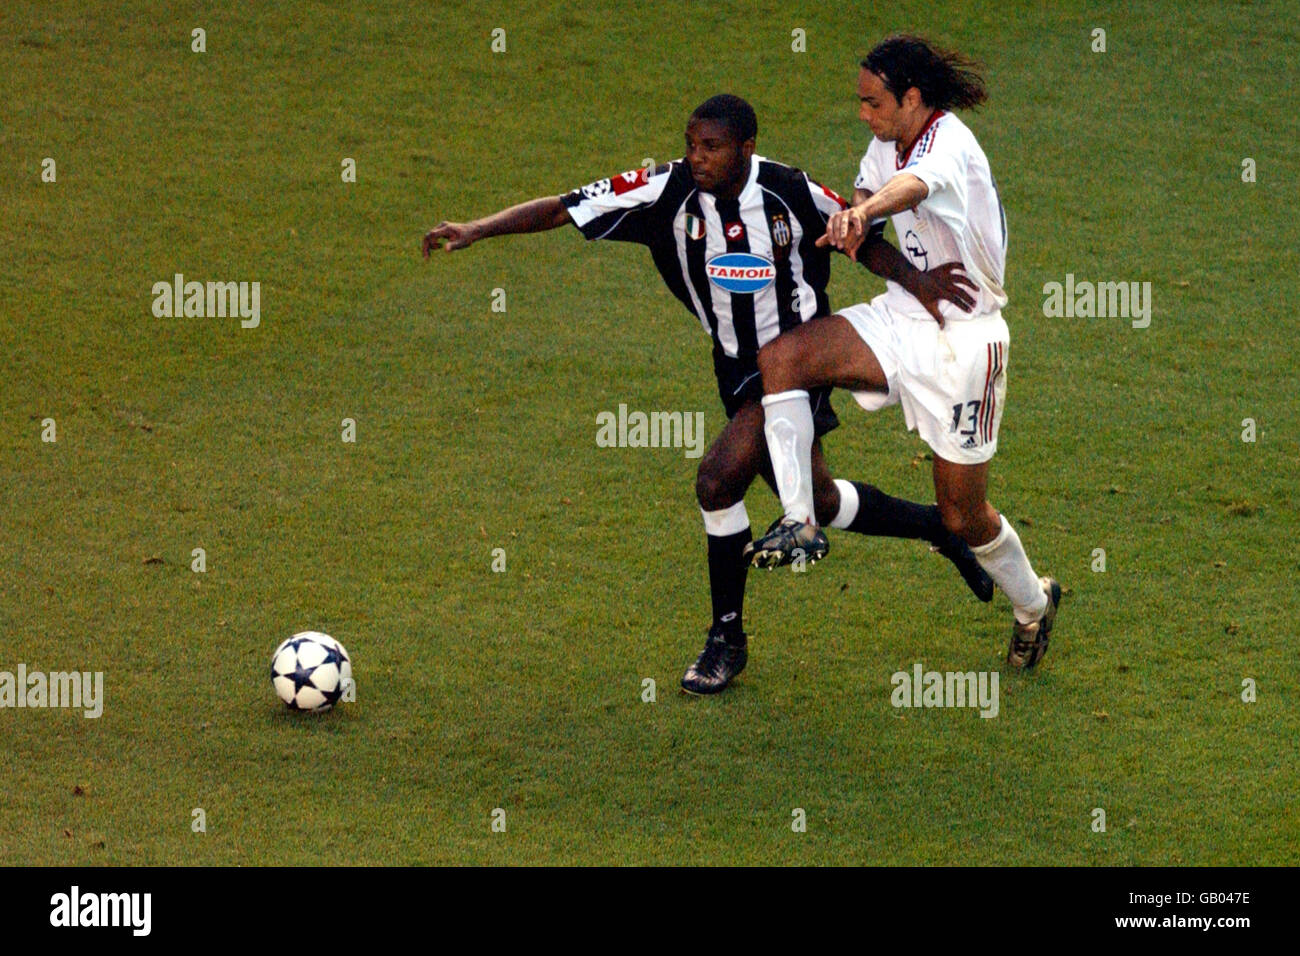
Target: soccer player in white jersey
pixel 924 169
pixel 734 237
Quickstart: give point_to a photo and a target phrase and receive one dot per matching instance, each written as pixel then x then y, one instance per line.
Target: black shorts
pixel 739 382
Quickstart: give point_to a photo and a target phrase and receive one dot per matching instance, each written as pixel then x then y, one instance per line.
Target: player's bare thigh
pixel 825 351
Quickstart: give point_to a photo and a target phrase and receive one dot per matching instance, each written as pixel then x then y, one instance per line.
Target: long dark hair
pixel 946 80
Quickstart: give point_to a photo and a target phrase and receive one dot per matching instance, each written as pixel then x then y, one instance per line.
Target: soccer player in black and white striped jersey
pixel 734 237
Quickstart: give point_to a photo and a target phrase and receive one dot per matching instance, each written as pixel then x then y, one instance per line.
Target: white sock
pixel 726 521
pixel 848 504
pixel 1005 561
pixel 788 426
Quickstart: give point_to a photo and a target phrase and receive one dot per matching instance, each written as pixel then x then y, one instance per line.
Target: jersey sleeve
pixel 869 180
pixel 826 201
pixel 619 207
pixel 943 168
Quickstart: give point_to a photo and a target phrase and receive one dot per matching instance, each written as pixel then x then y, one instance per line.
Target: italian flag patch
pixel 694 227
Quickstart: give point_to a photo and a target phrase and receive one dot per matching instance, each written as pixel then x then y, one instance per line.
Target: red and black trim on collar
pixel 921 145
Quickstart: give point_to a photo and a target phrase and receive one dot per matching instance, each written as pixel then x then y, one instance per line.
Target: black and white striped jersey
pixel 747 267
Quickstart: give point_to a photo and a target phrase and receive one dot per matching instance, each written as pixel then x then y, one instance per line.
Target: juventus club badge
pixel 780 231
pixel 780 237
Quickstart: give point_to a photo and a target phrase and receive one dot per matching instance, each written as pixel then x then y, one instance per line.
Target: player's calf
pixel 826 499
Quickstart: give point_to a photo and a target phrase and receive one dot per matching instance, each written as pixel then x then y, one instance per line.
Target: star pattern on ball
pixel 301 676
pixel 298 678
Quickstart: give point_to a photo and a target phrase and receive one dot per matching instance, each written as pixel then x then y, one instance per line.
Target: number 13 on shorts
pixel 970 411
pixel 974 422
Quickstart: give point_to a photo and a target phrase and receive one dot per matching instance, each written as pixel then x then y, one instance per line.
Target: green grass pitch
pixel 475 430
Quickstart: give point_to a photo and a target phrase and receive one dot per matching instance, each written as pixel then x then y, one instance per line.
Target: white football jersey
pixel 960 220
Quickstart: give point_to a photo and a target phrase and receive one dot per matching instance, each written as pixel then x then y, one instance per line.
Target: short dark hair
pixel 732 112
pixel 946 80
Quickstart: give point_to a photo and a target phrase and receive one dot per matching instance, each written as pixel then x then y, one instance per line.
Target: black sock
pixel 727 571
pixel 881 514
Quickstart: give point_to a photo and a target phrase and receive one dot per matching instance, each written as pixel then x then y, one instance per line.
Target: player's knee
pixel 973 524
pixel 712 489
pixel 955 519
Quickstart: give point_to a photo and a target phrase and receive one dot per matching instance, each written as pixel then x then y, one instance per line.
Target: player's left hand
pixel 945 282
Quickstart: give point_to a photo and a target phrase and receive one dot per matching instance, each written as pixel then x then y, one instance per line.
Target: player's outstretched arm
pixel 846 230
pixel 535 216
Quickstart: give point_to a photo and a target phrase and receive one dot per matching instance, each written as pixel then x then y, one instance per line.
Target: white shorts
pixel 951 381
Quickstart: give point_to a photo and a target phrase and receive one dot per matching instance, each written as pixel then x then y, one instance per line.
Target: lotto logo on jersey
pixel 735 231
pixel 740 272
pixel 632 179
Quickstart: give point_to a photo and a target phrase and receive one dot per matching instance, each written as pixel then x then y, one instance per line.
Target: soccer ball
pixel 310 671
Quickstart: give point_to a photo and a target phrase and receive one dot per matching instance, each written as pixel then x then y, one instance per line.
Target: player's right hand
pixel 845 231
pixel 946 282
pixel 458 236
